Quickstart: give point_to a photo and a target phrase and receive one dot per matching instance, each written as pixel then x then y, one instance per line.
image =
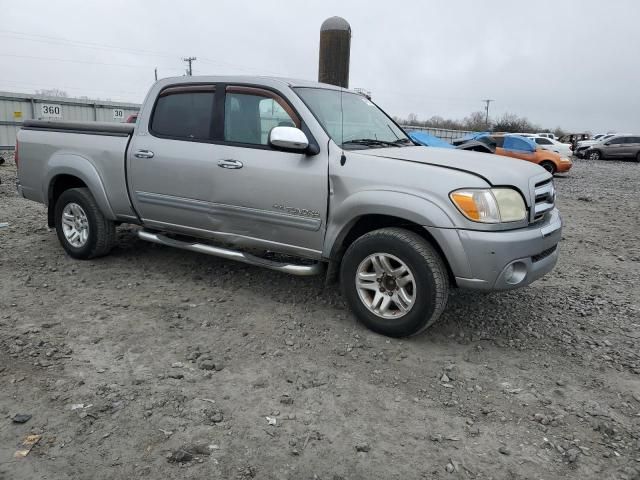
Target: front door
pixel 278 197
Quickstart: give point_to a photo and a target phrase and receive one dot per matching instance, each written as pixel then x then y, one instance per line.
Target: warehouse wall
pixel 17 107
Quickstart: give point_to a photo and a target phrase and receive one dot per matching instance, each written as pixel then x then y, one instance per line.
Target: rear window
pixel 184 114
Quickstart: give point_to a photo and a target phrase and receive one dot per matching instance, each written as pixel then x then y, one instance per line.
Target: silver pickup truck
pixel 303 178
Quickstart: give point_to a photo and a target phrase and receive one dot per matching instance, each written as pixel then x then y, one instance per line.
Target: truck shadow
pixel 468 316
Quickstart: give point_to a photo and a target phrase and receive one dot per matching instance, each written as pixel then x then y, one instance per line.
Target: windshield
pixel 352 120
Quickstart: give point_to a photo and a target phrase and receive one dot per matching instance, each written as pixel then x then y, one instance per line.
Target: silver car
pixel 618 146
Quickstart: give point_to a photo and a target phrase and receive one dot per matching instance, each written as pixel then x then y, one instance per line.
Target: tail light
pixel 15 157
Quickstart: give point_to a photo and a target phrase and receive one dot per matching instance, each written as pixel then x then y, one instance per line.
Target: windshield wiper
pixel 370 142
pixel 403 141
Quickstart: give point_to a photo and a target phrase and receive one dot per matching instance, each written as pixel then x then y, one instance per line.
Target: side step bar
pixel 299 270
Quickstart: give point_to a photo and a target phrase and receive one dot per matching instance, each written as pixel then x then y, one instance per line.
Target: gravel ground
pixel 159 363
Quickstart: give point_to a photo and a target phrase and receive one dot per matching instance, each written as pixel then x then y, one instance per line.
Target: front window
pixel 352 120
pixel 250 114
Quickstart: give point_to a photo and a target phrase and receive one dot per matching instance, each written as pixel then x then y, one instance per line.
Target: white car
pixel 546 135
pixel 564 149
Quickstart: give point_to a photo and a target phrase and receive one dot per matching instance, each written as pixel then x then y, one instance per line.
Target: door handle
pixel 231 164
pixel 143 154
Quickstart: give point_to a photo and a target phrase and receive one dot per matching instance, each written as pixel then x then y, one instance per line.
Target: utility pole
pixel 189 60
pixel 487 101
pixel 155 71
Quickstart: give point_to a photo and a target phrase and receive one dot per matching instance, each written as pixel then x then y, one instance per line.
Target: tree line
pixel 476 122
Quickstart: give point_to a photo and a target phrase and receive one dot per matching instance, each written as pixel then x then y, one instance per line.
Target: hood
pixel 495 169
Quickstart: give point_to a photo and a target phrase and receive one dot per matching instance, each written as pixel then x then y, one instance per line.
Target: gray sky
pixel 569 63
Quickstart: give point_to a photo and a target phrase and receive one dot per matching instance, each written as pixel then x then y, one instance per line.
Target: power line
pixel 101 46
pixel 84 61
pixel 189 60
pixel 20 83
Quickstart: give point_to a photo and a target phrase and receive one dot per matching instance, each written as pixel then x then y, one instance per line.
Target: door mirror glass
pixel 288 138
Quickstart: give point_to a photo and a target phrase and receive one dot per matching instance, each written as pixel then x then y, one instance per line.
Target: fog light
pixel 515 273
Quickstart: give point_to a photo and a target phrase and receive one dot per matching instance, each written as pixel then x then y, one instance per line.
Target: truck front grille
pixel 545 199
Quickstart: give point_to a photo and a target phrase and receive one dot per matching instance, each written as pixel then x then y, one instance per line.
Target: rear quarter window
pixel 184 115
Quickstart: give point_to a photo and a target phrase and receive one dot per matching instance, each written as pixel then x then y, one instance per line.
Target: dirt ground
pixel 158 363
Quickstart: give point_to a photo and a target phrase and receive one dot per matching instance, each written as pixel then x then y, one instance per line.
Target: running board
pixel 300 270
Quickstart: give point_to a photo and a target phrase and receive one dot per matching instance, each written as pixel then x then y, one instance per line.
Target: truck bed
pixel 94 152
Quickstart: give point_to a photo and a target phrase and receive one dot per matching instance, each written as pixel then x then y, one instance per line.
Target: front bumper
pixel 505 260
pixel 564 165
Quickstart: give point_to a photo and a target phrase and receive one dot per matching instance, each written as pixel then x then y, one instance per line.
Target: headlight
pixel 493 205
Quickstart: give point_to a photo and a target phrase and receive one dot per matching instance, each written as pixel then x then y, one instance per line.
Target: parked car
pixel 582 147
pixel 618 146
pixel 235 166
pixel 524 148
pixel 574 137
pixel 428 140
pixel 546 143
pixel 546 135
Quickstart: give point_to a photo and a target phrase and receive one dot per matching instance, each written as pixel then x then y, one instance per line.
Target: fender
pixel 413 208
pixel 64 163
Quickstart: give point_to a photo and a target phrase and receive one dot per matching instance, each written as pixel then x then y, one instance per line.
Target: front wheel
pixel 595 155
pixel 82 229
pixel 549 166
pixel 394 281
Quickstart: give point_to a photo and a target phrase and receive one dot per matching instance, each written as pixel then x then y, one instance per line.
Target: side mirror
pixel 288 138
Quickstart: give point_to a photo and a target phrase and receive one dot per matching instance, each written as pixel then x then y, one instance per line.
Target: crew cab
pixel 299 177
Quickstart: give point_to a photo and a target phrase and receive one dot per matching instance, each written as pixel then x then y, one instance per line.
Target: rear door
pixel 614 148
pixel 631 147
pixel 171 170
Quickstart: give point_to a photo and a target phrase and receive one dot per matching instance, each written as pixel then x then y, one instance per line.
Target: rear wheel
pixel 394 281
pixel 82 229
pixel 638 157
pixel 595 155
pixel 549 166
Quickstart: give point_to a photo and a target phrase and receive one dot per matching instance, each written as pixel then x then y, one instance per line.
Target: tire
pixel 82 214
pixel 549 166
pixel 595 155
pixel 638 157
pixel 428 285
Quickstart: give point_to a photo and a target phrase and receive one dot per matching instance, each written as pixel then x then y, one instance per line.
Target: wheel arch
pixel 368 222
pixel 66 171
